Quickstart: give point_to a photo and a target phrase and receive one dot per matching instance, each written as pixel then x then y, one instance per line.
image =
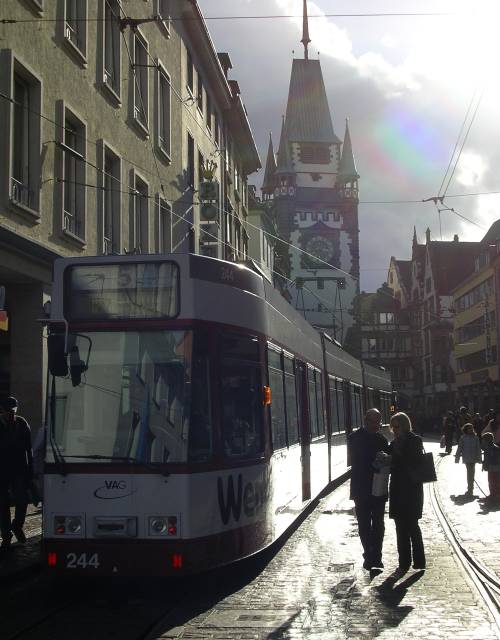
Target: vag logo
pixel 113 490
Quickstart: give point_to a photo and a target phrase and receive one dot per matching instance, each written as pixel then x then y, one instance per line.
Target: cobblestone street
pixel 314 586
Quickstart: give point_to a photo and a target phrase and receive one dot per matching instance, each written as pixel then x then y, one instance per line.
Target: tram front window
pixel 145 397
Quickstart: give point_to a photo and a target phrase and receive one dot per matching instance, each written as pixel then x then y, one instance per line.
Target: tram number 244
pixel 82 561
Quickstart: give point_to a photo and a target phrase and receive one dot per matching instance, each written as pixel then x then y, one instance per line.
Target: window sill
pixel 141 128
pixel 20 208
pixel 164 155
pixel 164 26
pixel 77 54
pixel 68 235
pixel 111 94
pixel 36 6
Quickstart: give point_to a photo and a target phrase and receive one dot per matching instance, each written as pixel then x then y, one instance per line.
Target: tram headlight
pixel 68 525
pixel 163 526
pixel 74 525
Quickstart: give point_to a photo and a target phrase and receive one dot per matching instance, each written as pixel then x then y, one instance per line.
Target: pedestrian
pixel 478 425
pixel 448 430
pixel 493 426
pixel 469 450
pixel 16 471
pixel 463 418
pixel 491 464
pixel 364 445
pixel 406 493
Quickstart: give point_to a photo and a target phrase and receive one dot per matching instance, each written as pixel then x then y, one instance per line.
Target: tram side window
pixel 355 406
pixel 341 407
pixel 278 415
pixel 314 417
pixel 200 427
pixel 241 389
pixel 320 402
pixel 334 404
pixel 292 418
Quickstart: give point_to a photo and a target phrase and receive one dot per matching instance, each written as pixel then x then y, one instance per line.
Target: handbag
pixel 380 483
pixel 425 471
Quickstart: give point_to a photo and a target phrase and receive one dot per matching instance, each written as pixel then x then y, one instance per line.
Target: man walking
pixel 364 445
pixel 16 471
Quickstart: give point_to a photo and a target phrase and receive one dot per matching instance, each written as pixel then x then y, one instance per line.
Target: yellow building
pixel 475 336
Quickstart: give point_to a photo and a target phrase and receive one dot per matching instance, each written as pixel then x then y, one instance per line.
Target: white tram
pixel 193 414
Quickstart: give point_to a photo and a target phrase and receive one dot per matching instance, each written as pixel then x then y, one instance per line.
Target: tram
pixel 193 414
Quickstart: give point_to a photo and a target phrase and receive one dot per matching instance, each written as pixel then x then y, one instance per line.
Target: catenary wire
pixel 457 140
pixel 160 18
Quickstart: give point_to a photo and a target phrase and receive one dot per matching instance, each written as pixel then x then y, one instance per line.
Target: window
pixel 201 166
pixel 140 222
pixel 26 131
pixel 74 175
pixel 241 396
pixel 190 73
pixel 164 111
pixel 162 9
pixel 199 96
pixel 314 215
pixel 164 236
pixel 216 128
pixel 190 160
pixel 326 216
pixel 278 412
pixel 209 112
pixel 75 26
pixel 111 203
pixel 315 403
pixel 336 216
pixel 292 417
pixel 141 104
pixel 112 43
pixel 314 154
pixel 303 216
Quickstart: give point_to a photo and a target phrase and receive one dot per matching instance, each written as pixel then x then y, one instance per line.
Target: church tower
pixel 313 183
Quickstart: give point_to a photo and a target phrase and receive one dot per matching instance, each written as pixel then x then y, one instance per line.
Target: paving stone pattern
pixel 315 587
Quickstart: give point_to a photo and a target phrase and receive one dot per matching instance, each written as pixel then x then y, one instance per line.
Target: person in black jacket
pixel 406 493
pixel 16 471
pixel 364 444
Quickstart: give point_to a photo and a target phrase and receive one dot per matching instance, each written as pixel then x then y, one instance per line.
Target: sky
pixel 409 86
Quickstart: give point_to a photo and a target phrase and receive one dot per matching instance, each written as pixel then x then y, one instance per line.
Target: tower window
pixel 315 154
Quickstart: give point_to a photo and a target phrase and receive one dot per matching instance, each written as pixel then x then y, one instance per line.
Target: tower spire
pixel 305 32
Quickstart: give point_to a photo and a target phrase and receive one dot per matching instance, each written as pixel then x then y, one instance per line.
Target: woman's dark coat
pixel 406 493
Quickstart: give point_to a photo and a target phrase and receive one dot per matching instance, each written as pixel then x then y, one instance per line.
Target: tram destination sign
pixel 122 291
pixel 227 273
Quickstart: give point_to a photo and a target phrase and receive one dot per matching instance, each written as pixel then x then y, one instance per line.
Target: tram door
pixel 305 434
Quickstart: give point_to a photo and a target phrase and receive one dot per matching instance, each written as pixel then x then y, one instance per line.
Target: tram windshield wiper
pixel 156 466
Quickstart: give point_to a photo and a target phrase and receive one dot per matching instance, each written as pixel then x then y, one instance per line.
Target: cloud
pixel 471 169
pixel 330 40
pixel 405 103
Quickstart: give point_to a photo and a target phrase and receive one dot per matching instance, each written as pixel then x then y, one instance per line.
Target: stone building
pixel 313 184
pixel 108 123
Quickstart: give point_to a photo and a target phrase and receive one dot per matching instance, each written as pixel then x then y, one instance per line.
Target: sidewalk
pixel 316 589
pixel 24 558
pixel 476 524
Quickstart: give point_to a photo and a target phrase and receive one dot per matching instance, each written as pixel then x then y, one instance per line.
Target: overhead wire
pixel 158 17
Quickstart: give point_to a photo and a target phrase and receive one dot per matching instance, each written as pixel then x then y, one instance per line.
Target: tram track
pixel 486 583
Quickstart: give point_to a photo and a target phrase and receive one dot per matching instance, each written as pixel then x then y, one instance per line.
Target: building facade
pixel 386 338
pixel 109 121
pixel 313 185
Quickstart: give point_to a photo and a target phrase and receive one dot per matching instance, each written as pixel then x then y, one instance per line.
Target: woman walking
pixel 406 493
pixel 469 450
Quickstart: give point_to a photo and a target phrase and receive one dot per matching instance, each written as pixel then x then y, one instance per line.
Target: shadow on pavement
pixel 463 499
